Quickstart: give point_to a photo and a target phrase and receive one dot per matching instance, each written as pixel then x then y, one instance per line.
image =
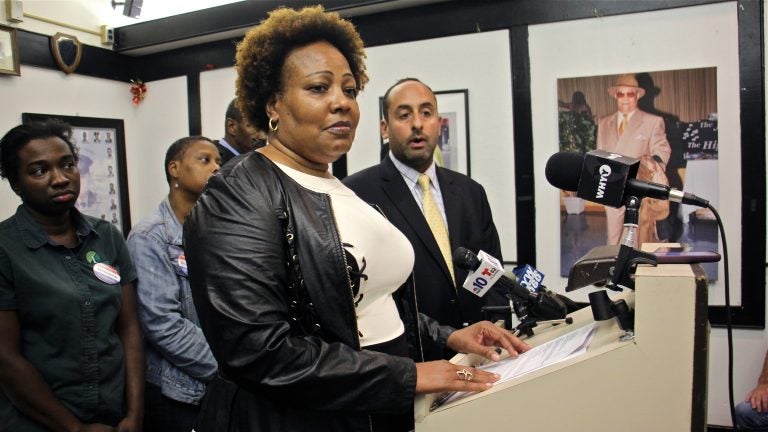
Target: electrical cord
pixel 728 323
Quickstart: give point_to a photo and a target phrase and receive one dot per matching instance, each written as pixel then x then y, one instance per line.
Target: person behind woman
pixel 70 344
pixel 179 361
pixel 301 286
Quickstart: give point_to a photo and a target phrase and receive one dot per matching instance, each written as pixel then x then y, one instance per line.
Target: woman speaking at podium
pixel 300 286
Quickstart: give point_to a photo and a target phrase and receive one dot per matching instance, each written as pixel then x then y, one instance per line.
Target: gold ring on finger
pixel 464 375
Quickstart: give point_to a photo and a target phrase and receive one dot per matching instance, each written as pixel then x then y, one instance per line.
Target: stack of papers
pixel 560 349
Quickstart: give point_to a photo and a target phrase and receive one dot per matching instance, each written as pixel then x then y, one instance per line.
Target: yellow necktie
pixel 435 222
pixel 623 124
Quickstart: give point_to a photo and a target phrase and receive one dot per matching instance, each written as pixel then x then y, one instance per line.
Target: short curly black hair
pixel 21 135
pixel 178 148
pixel 262 53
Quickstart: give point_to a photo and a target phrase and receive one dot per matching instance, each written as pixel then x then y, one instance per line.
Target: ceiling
pixel 157 9
pixel 199 23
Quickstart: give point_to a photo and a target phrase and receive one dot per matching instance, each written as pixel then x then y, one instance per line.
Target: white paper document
pixel 562 348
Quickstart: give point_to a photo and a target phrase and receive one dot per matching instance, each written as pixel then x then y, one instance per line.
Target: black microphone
pixel 608 178
pixel 542 304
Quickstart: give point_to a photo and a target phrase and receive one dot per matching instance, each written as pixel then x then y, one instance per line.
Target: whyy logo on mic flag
pixel 604 176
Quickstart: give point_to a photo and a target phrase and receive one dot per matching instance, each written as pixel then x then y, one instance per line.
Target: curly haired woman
pixel 302 289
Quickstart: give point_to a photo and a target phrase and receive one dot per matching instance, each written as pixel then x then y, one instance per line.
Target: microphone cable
pixel 728 322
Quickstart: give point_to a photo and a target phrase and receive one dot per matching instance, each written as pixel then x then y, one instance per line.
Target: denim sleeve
pixel 177 338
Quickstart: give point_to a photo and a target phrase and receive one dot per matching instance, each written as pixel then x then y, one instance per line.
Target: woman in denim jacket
pixel 178 359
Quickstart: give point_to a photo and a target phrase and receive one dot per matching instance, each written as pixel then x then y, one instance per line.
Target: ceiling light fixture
pixel 131 8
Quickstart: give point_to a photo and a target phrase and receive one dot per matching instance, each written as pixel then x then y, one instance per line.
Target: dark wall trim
pixel 751 313
pixel 35 50
pixel 462 17
pixel 194 104
pixel 401 25
pixel 523 143
pixel 183 61
pixel 404 25
pixel 240 15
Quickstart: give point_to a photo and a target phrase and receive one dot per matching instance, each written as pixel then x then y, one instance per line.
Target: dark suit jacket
pixel 469 225
pixel 225 153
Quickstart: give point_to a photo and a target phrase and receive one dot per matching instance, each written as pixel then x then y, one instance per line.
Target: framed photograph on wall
pixel 685 139
pixel 453 142
pixel 719 44
pixel 103 180
pixel 9 51
pixel 453 106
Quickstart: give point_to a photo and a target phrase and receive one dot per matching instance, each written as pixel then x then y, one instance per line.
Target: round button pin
pixel 182 262
pixel 106 273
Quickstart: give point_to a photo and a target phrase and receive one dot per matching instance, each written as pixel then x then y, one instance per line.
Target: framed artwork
pixel 718 44
pixel 103 179
pixel 686 137
pixel 9 51
pixel 453 143
pixel 453 106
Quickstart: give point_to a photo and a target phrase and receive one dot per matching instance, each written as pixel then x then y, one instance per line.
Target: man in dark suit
pixel 239 136
pixel 412 125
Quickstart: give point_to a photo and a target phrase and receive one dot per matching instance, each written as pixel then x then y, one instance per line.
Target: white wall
pixel 149 128
pixel 86 16
pixel 217 88
pixel 479 62
pixel 159 120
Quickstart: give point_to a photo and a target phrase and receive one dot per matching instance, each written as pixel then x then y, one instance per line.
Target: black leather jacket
pixel 269 281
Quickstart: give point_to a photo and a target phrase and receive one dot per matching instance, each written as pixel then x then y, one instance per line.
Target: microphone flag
pixel 529 277
pixel 604 177
pixel 479 281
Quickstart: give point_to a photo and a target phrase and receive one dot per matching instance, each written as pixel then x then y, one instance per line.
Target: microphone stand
pixel 545 308
pixel 526 320
pixel 629 257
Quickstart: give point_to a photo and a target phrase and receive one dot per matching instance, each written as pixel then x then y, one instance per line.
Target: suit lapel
pixel 396 190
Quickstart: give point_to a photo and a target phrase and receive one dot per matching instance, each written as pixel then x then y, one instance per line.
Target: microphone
pixel 529 277
pixel 609 178
pixel 540 303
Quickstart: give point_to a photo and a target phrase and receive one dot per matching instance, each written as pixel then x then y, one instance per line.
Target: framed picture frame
pixel 453 142
pixel 453 106
pixel 103 171
pixel 718 35
pixel 9 51
pixel 686 136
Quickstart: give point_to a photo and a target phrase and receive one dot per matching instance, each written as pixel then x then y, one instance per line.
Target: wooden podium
pixel 655 382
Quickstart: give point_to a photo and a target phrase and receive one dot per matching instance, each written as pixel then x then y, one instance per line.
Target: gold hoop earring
pixel 274 127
